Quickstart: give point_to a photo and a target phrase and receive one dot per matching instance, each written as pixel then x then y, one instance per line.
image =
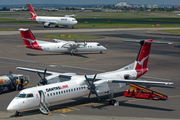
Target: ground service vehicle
pixel 13 82
pixel 139 91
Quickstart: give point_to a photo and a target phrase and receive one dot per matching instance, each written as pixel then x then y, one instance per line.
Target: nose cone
pixel 75 22
pixel 104 49
pixel 14 105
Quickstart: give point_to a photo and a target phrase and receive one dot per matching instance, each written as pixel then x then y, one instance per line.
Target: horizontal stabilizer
pixel 140 82
pixel 146 42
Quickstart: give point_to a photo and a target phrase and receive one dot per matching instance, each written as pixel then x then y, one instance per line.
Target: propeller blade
pixel 96 94
pixel 10 72
pixel 39 74
pixel 89 94
pixel 85 43
pixel 87 79
pixel 45 72
pixel 94 78
pixel 75 40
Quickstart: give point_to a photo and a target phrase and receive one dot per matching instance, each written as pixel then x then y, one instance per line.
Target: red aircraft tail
pixel 179 8
pixel 29 39
pixel 32 12
pixel 143 56
pixel 140 65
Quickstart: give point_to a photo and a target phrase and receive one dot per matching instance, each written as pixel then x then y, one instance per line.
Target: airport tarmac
pixel 163 63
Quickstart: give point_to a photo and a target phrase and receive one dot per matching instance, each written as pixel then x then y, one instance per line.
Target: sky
pixel 81 2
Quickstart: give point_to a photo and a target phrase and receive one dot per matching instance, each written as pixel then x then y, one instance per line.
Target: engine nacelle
pixel 46 24
pixel 129 77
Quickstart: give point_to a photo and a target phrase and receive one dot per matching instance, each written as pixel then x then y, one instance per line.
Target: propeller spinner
pixel 92 87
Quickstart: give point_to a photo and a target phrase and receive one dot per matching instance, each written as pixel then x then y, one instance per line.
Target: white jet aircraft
pixel 59 45
pixel 80 85
pixel 47 21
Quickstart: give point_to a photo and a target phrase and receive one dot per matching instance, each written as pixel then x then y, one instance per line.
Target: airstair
pixel 136 86
pixel 43 105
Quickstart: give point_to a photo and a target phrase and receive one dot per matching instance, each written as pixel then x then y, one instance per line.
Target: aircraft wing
pixel 35 70
pixel 142 82
pixel 67 75
pixel 62 41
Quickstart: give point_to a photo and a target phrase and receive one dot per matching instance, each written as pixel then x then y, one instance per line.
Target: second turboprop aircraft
pixel 59 45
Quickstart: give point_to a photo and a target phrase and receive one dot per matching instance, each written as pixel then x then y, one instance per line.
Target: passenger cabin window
pixel 98 44
pixel 29 95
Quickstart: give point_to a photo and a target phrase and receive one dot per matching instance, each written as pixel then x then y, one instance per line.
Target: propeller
pixel 10 72
pixel 43 80
pixel 91 87
pixel 75 40
pixel 85 43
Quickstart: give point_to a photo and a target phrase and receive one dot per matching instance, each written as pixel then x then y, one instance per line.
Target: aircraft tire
pixel 112 102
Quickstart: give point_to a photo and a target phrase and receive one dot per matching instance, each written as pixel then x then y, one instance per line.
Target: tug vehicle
pixel 139 91
pixel 13 82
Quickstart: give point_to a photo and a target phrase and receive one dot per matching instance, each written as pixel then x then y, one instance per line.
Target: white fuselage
pixel 76 87
pixel 62 47
pixel 56 20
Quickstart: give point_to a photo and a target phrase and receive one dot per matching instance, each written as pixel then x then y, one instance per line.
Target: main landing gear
pixel 111 101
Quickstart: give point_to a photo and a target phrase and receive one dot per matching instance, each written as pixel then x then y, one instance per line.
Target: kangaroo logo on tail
pixel 29 39
pixel 142 61
pixel 32 12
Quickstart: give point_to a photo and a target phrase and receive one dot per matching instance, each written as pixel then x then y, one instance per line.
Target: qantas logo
pixel 142 61
pixel 57 88
pixel 33 14
pixel 30 41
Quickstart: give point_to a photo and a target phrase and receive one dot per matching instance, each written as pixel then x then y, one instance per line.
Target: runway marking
pixel 174 96
pixel 74 108
pixel 63 110
pixel 20 46
pixel 8 63
pixel 101 58
pixel 18 60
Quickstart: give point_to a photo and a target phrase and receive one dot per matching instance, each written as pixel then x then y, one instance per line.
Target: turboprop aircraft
pixel 47 21
pixel 81 85
pixel 59 45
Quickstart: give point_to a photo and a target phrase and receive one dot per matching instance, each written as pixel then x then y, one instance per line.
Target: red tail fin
pixel 32 12
pixel 29 39
pixel 179 8
pixel 143 56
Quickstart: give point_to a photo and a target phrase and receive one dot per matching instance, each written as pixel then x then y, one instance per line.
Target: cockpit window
pixel 29 95
pixel 98 44
pixel 21 95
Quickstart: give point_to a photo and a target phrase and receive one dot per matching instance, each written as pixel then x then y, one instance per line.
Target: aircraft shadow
pixel 78 55
pixel 75 54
